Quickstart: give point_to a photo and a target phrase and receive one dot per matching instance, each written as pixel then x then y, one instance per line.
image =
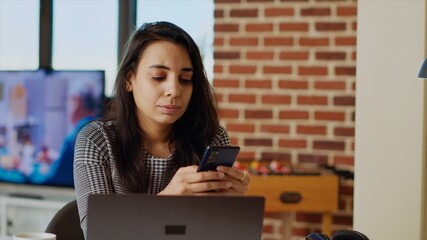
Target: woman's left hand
pixel 240 180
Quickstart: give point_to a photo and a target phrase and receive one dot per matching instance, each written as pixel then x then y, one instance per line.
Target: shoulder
pixel 96 130
pixel 221 137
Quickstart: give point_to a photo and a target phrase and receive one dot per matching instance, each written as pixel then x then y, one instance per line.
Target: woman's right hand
pixel 187 181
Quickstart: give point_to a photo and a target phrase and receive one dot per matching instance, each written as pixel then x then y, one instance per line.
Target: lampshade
pixel 423 70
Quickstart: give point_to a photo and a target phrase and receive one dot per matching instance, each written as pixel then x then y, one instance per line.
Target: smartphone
pixel 218 155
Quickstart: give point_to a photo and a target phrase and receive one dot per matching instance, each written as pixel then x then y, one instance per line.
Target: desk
pixel 318 193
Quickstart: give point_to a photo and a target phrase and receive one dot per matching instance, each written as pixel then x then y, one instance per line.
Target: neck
pixel 158 141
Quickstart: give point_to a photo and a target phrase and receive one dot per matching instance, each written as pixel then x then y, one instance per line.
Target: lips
pixel 169 109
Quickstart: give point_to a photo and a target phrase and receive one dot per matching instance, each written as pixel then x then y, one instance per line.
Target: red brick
pixel 274 128
pixel 258 84
pixel 293 114
pixel 226 55
pixel 267 228
pixel 343 220
pixel 219 97
pixel 345 41
pixel 218 68
pixel 292 143
pixel 226 1
pixel 258 114
pixel 346 190
pixel 315 12
pixel 244 13
pixel 312 100
pixel 279 99
pixel 218 41
pixel 218 13
pixel 295 231
pixel 244 41
pixel 310 158
pixel 320 41
pixel 242 98
pixel 344 160
pixel 259 55
pixel 344 131
pixel 344 101
pixel 276 70
pixel 266 142
pixel 294 55
pixel 276 12
pixel 331 116
pixel 311 130
pixel 348 71
pixel 308 217
pixel 242 69
pixel 229 113
pixel 330 55
pixel 314 71
pixel 262 1
pixel 329 85
pixel 290 84
pixel 294 27
pixel 248 128
pixel 245 156
pixel 347 11
pixel 226 27
pixel 259 27
pixel 280 156
pixel 226 83
pixel 278 41
pixel 329 145
pixel 330 26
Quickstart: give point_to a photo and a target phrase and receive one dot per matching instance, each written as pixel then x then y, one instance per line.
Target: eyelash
pixel 186 81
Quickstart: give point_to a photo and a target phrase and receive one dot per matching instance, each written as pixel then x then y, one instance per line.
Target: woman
pixel 161 118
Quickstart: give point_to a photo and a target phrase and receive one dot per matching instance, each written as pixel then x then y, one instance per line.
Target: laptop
pixel 151 217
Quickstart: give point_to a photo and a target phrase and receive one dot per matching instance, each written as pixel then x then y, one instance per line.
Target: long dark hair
pixel 190 133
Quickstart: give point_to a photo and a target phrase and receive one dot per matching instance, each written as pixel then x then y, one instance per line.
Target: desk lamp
pixel 423 70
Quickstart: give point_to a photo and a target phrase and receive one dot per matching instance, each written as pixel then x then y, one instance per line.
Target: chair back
pixel 66 223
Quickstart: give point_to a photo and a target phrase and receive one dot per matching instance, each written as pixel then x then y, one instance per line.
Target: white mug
pixel 34 236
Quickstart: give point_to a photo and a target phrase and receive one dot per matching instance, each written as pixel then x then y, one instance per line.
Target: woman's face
pixel 162 85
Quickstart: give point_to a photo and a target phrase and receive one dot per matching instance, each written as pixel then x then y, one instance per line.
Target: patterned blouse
pixel 95 170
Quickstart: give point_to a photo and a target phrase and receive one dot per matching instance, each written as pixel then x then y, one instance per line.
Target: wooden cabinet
pixel 305 193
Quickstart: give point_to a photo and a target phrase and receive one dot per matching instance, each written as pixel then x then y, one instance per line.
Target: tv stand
pixel 26 195
pixel 29 208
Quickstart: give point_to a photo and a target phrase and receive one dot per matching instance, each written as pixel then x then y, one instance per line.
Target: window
pixel 19 34
pixel 194 16
pixel 85 37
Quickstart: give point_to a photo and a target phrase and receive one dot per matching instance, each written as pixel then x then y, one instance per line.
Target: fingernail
pixel 221 175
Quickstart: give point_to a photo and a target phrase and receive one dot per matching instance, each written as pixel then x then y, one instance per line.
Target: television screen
pixel 40 114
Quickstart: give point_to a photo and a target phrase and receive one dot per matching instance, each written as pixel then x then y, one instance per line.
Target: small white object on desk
pixel 34 236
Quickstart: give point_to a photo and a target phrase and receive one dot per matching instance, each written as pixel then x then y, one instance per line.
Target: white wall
pixel 388 196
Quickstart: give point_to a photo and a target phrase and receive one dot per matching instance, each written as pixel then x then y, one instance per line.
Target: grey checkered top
pixel 95 170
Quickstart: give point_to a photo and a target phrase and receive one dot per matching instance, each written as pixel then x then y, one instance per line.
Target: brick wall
pixel 284 74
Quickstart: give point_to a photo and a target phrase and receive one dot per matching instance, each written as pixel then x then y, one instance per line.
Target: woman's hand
pixel 187 181
pixel 240 180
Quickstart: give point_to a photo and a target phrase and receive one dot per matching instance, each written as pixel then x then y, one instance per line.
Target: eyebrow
pixel 186 69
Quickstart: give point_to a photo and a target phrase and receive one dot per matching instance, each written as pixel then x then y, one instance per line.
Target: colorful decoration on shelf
pixel 278 168
pixel 257 168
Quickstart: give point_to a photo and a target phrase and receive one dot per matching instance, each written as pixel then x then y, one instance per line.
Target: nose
pixel 172 87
